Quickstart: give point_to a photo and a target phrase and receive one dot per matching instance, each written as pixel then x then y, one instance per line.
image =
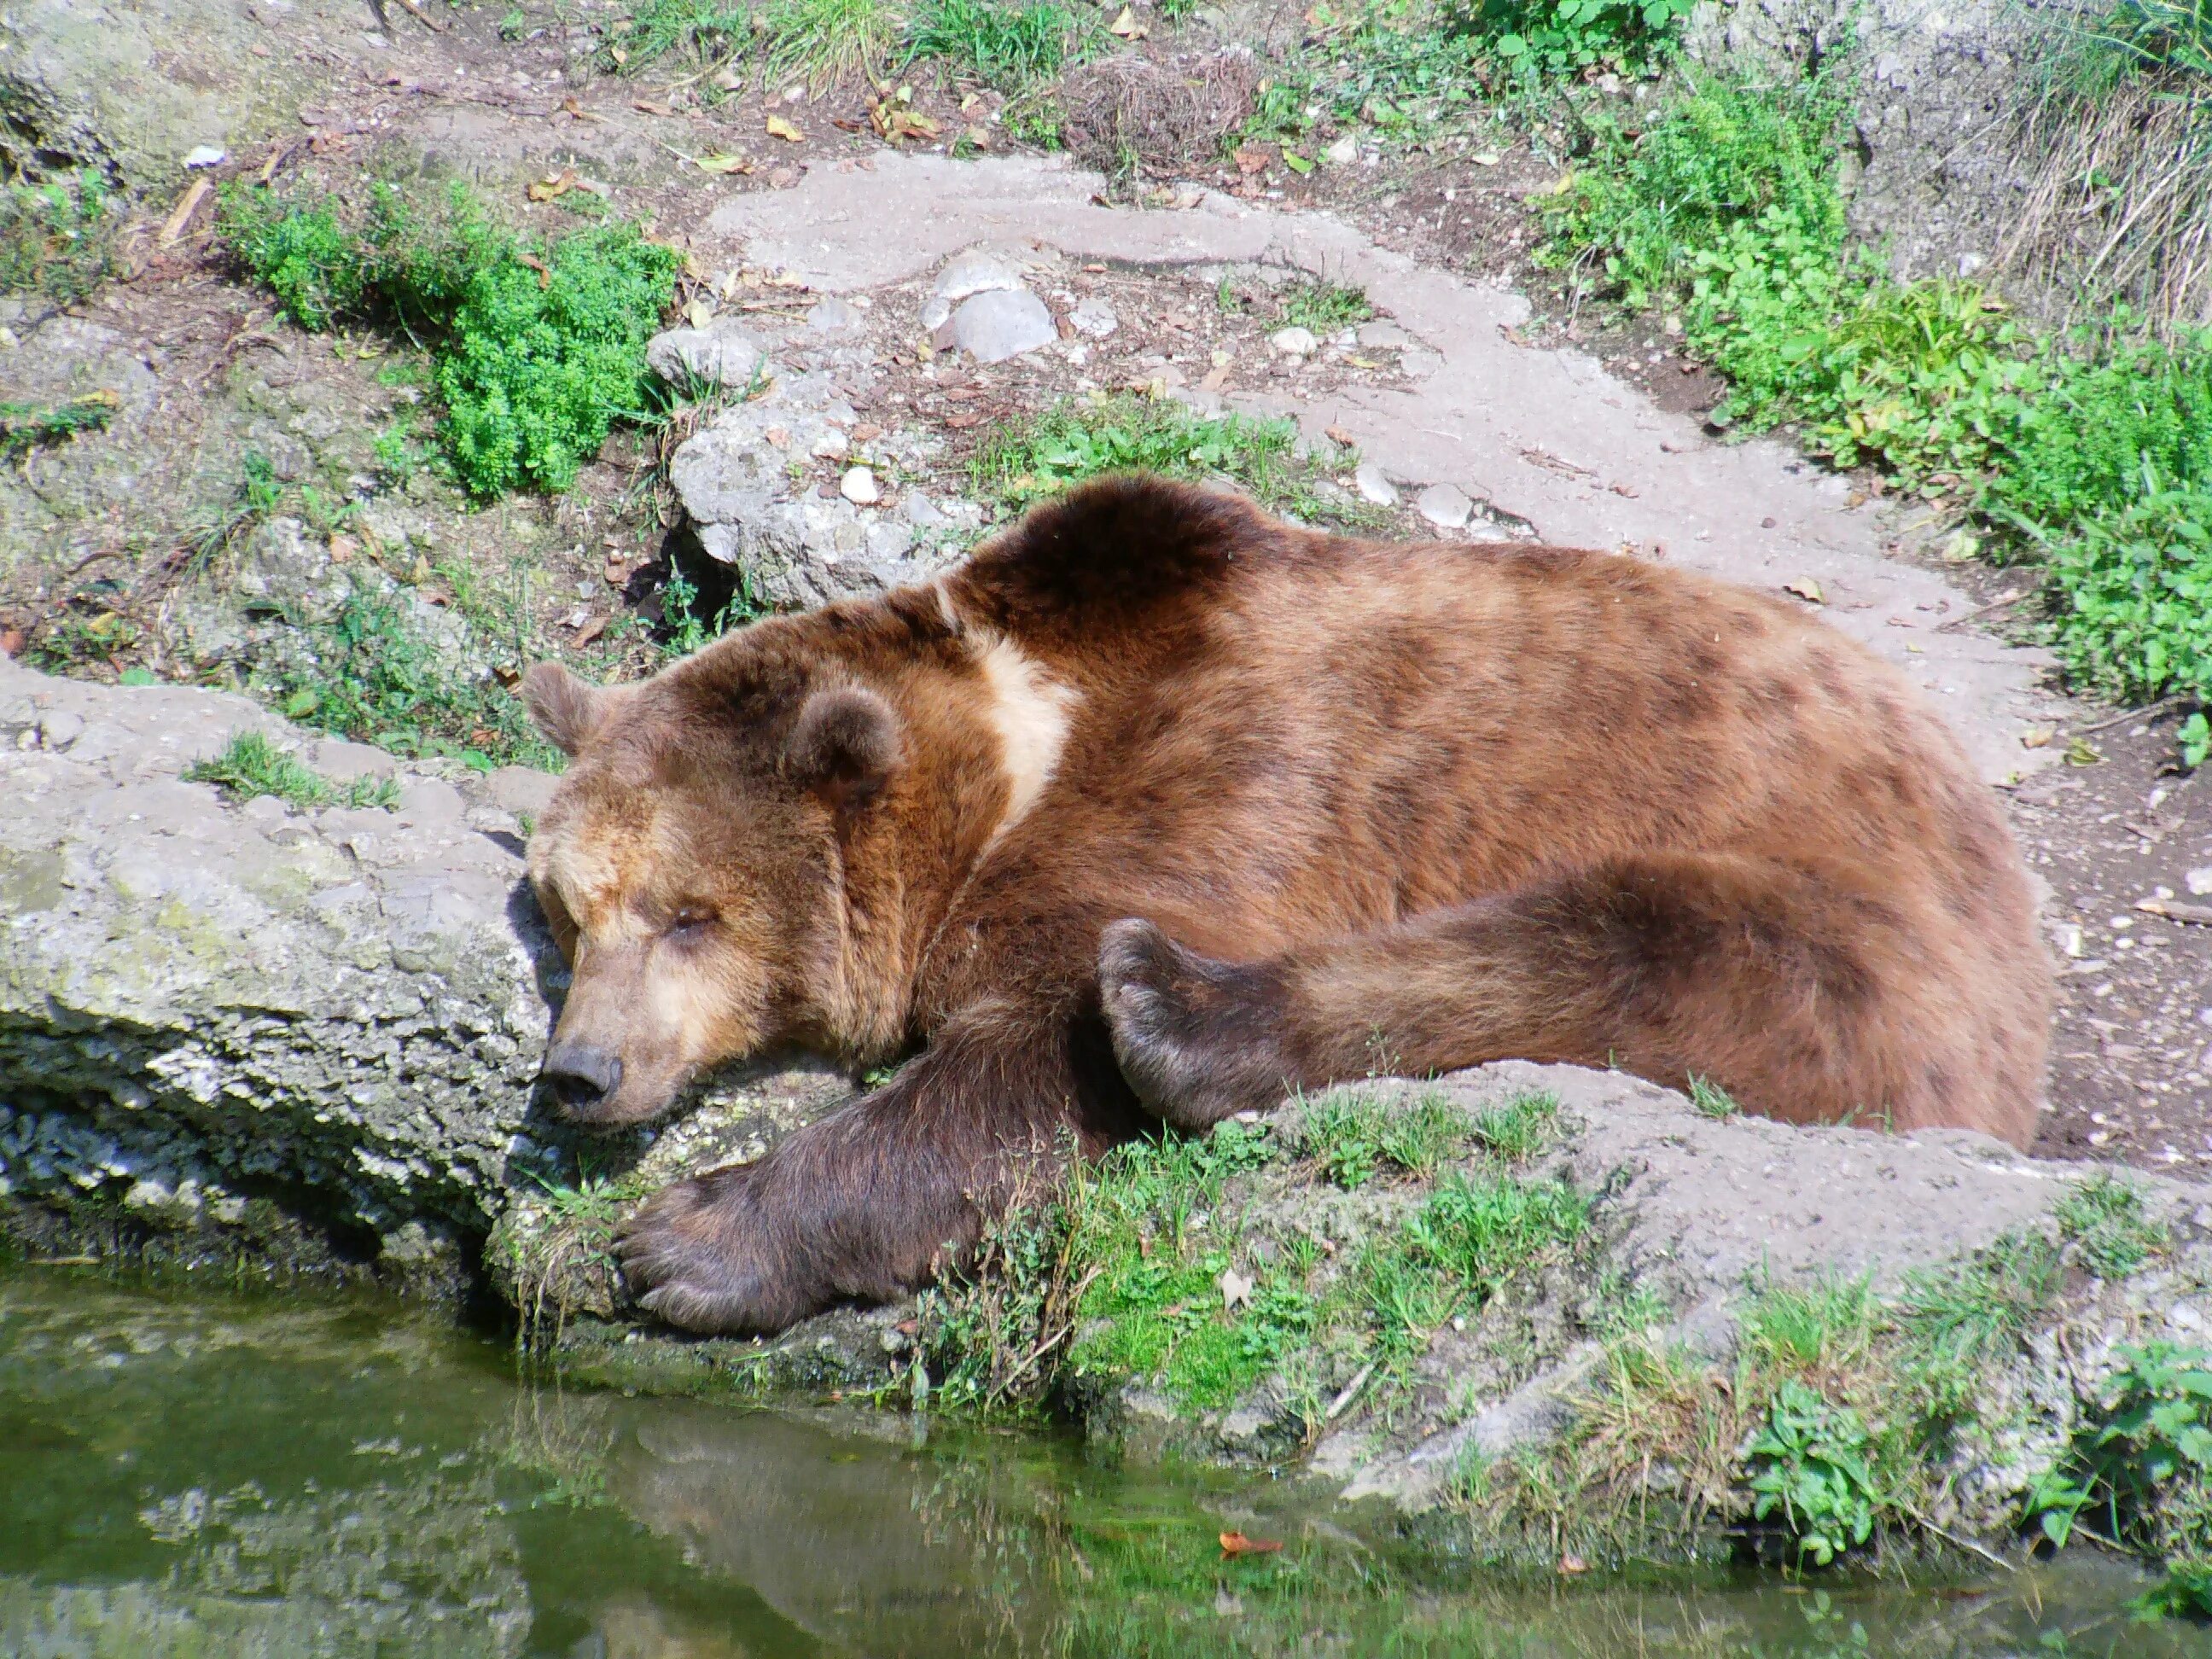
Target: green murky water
pixel 205 1475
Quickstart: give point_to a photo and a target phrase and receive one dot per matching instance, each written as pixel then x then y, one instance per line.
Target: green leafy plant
pixel 1557 37
pixel 2144 1471
pixel 251 765
pixel 1809 1466
pixel 536 349
pixel 2195 738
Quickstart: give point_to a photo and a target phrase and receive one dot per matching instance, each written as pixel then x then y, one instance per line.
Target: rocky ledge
pixel 285 1032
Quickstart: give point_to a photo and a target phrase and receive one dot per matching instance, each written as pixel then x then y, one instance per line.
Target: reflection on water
pixel 203 1474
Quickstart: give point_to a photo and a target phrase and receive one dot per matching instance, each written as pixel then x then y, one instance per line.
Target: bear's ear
pixel 845 746
pixel 567 710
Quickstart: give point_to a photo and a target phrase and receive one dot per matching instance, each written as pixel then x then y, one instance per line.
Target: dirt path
pixel 1466 407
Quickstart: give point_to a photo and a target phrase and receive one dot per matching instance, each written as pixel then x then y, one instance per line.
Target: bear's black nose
pixel 581 1076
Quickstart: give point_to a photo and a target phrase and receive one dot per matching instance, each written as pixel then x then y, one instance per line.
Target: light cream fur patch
pixel 1031 713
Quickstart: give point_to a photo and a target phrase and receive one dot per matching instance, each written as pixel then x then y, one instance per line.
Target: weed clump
pixel 27 427
pixel 536 349
pixel 58 238
pixel 251 765
pixel 1077 439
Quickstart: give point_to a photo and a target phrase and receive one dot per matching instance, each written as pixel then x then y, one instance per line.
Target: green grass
pixel 1084 438
pixel 1519 1127
pixel 2110 1229
pixel 1012 47
pixel 820 42
pixel 537 347
pixel 58 238
pixel 1710 1100
pixel 251 765
pixel 373 673
pixel 1351 1138
pixel 27 427
pixel 2090 453
pixel 1324 307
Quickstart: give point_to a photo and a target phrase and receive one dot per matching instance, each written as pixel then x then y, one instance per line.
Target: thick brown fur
pixel 1158 808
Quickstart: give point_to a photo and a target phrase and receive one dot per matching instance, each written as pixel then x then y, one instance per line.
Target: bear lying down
pixel 1157 808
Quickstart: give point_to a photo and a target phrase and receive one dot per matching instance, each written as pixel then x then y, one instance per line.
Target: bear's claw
pixel 698 1255
pixel 1198 1040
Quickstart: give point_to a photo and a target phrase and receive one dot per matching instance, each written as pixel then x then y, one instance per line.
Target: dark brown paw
pixel 1198 1040
pixel 703 1255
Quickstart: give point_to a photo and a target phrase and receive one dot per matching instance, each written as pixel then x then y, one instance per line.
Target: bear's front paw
pixel 705 1255
pixel 1198 1040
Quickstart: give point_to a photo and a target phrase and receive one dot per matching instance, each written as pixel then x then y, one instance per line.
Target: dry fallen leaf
pixel 544 271
pixel 554 185
pixel 1236 1543
pixel 1806 589
pixel 570 107
pixel 1127 27
pixel 342 548
pixel 779 128
pixel 591 630
pixel 2039 739
pixel 720 163
pixel 11 642
pixel 647 106
pixel 1252 158
pixel 1236 1289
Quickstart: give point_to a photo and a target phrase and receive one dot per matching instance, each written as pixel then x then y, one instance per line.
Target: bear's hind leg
pixel 1802 992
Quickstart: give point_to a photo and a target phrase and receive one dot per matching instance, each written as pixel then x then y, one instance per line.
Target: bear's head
pixel 692 864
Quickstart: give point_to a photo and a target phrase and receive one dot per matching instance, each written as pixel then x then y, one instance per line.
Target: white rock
pixel 858 486
pixel 721 354
pixel 1002 323
pixel 2199 881
pixel 1094 317
pixel 1445 506
pixel 831 446
pixel 975 273
pixel 1343 153
pixel 1373 486
pixel 1294 341
pixel 206 155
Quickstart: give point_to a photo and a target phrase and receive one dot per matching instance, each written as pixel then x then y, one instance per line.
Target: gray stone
pixel 343 1008
pixel 1294 341
pixel 1445 506
pixel 1373 486
pixel 1094 317
pixel 334 758
pixel 830 315
pixel 1002 323
pixel 721 354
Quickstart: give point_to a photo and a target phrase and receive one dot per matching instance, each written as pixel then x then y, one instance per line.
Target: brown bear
pixel 1157 808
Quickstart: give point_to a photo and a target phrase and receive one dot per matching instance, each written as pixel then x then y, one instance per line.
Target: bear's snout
pixel 581 1076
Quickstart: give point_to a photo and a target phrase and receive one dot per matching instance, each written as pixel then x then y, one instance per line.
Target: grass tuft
pixel 58 238
pixel 1084 438
pixel 27 427
pixel 251 765
pixel 2110 1229
pixel 1012 47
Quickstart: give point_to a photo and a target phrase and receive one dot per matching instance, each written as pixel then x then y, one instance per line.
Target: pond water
pixel 196 1473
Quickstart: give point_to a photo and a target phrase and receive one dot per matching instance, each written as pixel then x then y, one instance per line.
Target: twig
pixel 2012 598
pixel 2193 916
pixel 415 10
pixel 1350 1390
pixel 2150 711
